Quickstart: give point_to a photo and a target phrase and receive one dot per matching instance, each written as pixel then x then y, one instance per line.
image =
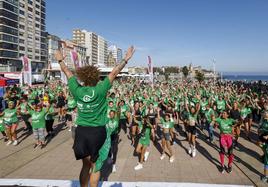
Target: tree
pixel 185 71
pixel 199 76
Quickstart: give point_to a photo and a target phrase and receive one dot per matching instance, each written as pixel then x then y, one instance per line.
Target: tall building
pixel 96 45
pixel 69 46
pixel 54 44
pixel 116 52
pixel 102 50
pixel 24 33
pixel 9 35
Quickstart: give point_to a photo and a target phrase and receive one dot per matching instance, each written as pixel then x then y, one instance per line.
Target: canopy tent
pixel 8 82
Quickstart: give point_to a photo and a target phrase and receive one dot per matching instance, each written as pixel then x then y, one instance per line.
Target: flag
pixel 27 70
pixel 75 59
pixel 150 70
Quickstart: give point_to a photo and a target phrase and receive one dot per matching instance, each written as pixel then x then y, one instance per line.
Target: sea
pixel 245 76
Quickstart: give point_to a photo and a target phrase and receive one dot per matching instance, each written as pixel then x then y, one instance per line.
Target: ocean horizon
pixel 245 76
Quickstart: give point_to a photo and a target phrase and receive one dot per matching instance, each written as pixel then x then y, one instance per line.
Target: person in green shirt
pixel 2 129
pixel 11 123
pixel 50 118
pixel 124 115
pixel 38 114
pixel 144 141
pixel 167 123
pixel 71 106
pixel 191 126
pixel 90 143
pixel 24 113
pixel 209 113
pixel 112 128
pixel 225 125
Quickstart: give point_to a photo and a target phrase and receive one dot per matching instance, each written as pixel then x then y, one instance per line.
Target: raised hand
pixel 129 53
pixel 59 56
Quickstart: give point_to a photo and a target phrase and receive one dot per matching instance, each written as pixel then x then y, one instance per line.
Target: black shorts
pixel 191 129
pixel 60 105
pixel 88 141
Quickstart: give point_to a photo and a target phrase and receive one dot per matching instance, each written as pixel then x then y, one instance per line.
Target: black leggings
pixel 25 118
pixel 49 125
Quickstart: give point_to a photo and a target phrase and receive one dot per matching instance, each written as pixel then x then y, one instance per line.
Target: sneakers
pixel 70 130
pixel 190 150
pixel 162 156
pixel 264 179
pixel 146 155
pixel 138 167
pixel 194 152
pixel 35 145
pixel 229 169
pixel 221 169
pixel 15 142
pixel 171 159
pixel 114 169
pixel 9 142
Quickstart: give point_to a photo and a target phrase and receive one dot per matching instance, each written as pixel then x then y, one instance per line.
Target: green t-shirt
pixel 192 119
pixel 10 116
pixel 264 126
pixel 23 108
pixel 221 105
pixel 225 125
pixel 203 106
pixel 91 102
pixel 38 119
pixel 208 114
pixel 123 110
pixel 2 126
pixel 167 124
pixel 50 113
pixel 71 103
pixel 265 150
pixel 112 126
pixel 245 112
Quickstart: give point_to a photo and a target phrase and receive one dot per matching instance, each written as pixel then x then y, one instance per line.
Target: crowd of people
pixel 144 112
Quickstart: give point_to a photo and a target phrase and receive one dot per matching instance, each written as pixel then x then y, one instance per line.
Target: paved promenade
pixel 56 161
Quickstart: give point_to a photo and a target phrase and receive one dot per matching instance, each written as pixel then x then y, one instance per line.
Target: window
pixel 22 48
pixel 37 51
pixel 37 39
pixel 37 58
pixel 21 34
pixel 21 41
pixel 22 5
pixel 37 25
pixel 22 19
pixel 8 15
pixel 21 27
pixel 37 6
pixel 30 16
pixel 37 19
pixel 8 38
pixel 8 30
pixel 22 12
pixel 30 9
pixel 8 22
pixel 9 54
pixel 30 50
pixel 8 46
pixel 30 2
pixel 38 13
pixel 8 7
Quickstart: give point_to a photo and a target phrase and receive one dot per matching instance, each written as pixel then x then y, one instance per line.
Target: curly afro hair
pixel 89 75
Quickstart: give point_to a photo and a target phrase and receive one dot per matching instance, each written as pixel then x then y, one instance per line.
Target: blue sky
pixel 173 32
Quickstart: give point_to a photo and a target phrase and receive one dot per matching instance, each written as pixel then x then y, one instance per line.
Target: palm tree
pixel 199 76
pixel 185 71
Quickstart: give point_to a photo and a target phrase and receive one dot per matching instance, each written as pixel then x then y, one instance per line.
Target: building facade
pixel 116 52
pixel 54 44
pixel 96 46
pixel 69 46
pixel 9 35
pixel 23 32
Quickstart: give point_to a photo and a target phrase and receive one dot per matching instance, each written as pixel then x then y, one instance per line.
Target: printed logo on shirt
pixel 88 98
